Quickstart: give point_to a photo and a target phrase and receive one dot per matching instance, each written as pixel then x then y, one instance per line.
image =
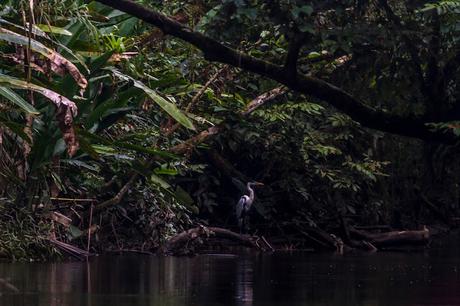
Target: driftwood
pixel 181 243
pixel 394 238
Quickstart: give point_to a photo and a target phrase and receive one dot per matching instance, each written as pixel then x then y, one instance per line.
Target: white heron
pixel 244 205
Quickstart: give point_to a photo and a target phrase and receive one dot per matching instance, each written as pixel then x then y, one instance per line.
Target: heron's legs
pixel 245 226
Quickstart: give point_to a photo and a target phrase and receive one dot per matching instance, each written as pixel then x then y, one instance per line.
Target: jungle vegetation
pixel 124 123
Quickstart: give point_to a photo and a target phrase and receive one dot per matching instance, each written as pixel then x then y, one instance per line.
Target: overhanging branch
pixel 340 99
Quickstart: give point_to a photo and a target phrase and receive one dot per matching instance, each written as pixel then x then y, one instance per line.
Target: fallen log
pixel 393 238
pixel 185 242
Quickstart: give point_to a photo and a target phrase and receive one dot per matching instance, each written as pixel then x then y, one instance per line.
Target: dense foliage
pixel 114 135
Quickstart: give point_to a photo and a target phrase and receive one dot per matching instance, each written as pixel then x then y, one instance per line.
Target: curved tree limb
pixel 178 243
pixel 213 50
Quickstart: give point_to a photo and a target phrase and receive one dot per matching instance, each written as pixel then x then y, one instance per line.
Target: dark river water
pixel 431 277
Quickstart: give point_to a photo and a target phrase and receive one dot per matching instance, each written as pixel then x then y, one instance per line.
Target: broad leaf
pixel 66 110
pixel 59 64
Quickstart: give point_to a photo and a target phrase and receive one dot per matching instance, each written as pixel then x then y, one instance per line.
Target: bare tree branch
pixel 263 98
pixel 201 137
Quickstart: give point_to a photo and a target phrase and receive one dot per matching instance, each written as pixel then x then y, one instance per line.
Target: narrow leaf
pixel 166 105
pixel 18 100
pixel 66 110
pixel 59 64
pixel 55 30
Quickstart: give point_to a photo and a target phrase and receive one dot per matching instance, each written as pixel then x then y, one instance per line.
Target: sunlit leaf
pixel 55 30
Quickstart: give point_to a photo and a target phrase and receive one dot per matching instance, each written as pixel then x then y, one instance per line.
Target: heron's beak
pixel 259 184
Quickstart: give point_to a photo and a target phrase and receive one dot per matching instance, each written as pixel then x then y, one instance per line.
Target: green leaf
pixel 36 31
pixel 74 231
pixel 57 99
pixel 305 9
pixel 114 102
pixel 166 105
pixel 163 171
pixel 100 61
pixel 18 100
pixel 52 29
pixel 124 145
pixel 105 150
pixel 184 198
pixel 52 55
pixel 155 179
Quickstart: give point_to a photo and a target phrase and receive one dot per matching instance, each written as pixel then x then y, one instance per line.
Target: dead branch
pixel 176 244
pixel 119 196
pixel 418 237
pixel 195 99
pixel 70 249
pixel 188 145
pixel 264 98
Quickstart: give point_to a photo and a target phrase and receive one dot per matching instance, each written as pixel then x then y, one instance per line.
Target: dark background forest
pixel 124 123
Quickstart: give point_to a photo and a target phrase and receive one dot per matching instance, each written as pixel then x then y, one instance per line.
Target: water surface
pixel 423 278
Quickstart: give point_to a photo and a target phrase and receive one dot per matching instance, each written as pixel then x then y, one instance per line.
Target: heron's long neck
pixel 251 192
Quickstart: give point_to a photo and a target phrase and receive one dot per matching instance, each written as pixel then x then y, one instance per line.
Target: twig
pixel 264 98
pixel 70 249
pixel 89 227
pixel 260 100
pixel 195 99
pixel 72 200
pixel 119 196
pixel 268 244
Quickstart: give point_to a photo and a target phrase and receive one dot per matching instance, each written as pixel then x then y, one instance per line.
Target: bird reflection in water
pixel 244 282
